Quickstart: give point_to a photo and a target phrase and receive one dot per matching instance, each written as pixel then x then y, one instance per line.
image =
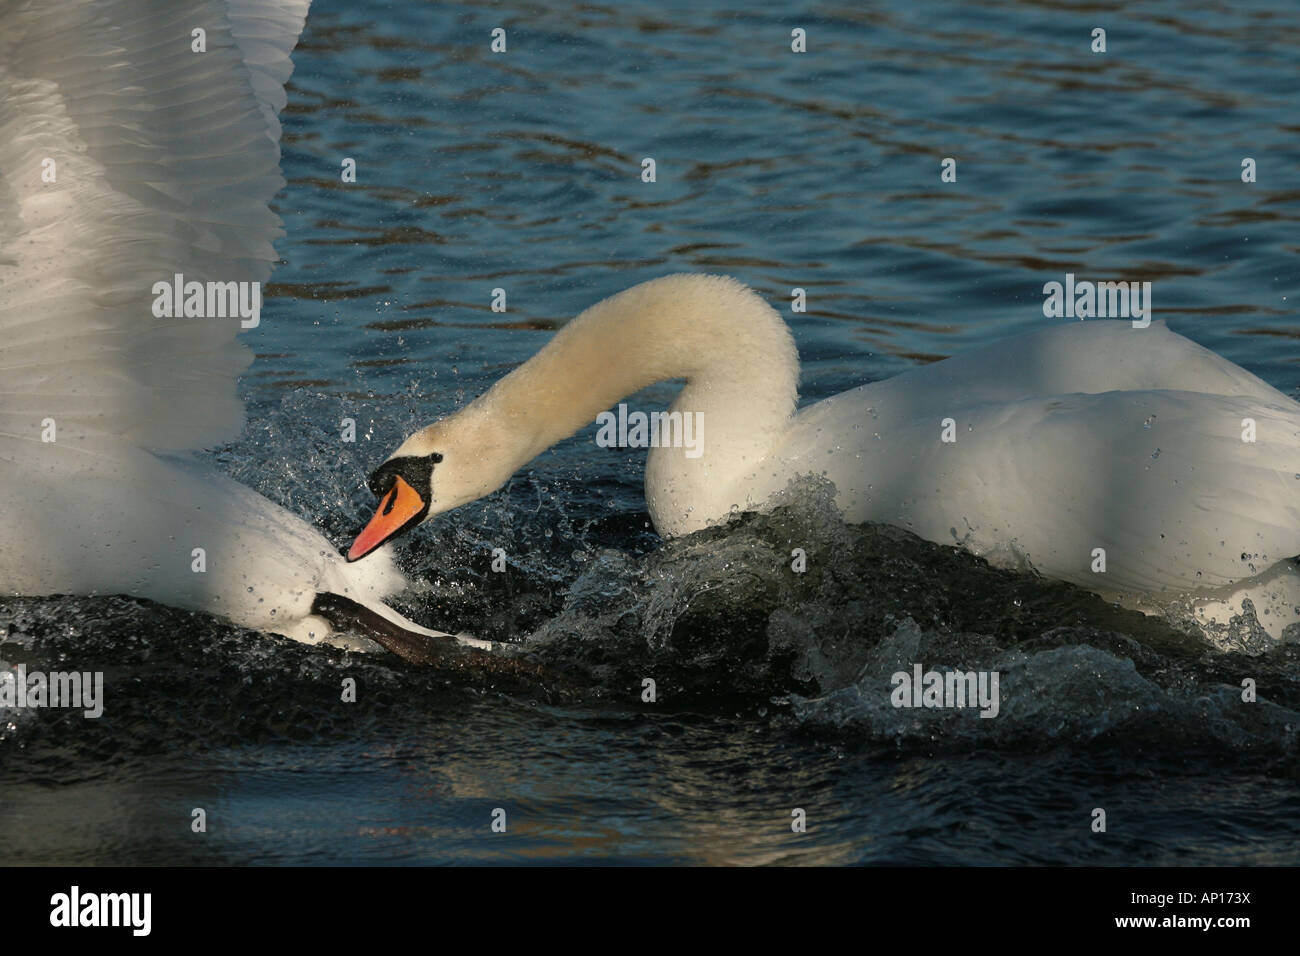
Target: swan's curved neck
pixel 736 354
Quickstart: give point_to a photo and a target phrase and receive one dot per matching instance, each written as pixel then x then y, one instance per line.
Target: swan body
pixel 1077 441
pixel 126 158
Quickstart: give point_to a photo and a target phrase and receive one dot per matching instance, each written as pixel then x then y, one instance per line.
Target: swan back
pixel 1044 449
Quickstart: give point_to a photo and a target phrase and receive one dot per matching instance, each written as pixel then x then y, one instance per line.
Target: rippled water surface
pixel 521 171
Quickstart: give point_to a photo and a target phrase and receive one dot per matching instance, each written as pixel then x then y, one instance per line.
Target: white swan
pixel 1082 436
pixel 125 158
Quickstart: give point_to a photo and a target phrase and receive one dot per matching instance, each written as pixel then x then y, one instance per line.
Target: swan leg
pixel 383 625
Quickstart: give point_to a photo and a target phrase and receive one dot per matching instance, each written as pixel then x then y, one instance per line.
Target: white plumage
pixel 164 161
pixel 1081 436
pixel 1110 456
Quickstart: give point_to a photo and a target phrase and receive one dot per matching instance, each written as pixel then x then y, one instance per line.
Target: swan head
pixel 450 463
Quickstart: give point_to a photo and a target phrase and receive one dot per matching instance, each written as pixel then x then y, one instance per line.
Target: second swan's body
pixel 1128 460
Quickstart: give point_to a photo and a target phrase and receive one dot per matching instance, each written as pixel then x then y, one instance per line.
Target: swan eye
pixel 435 457
pixel 416 472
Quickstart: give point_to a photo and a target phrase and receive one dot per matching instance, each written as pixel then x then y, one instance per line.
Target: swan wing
pixel 127 158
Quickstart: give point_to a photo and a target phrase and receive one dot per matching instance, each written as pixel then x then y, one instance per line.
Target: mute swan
pixel 1080 443
pixel 128 158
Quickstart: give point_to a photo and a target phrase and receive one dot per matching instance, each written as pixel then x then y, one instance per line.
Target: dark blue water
pixel 522 171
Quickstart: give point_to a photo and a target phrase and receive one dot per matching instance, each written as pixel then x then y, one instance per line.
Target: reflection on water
pixel 821 171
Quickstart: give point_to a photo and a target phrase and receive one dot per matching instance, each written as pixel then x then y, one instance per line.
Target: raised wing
pixel 126 159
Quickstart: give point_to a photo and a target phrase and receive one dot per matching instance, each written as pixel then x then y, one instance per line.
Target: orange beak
pixel 399 510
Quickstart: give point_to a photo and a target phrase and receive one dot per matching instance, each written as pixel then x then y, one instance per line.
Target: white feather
pixel 1083 442
pixel 166 161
